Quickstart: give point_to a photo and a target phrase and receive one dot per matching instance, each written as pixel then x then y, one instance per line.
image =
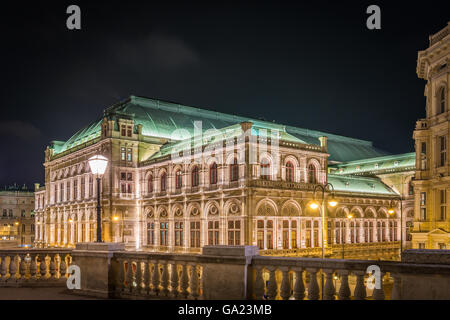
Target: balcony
pixel 279 184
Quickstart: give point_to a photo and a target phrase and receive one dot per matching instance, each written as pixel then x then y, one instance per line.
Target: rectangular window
pixel 129 131
pixel 260 234
pixel 151 233
pixel 424 148
pixel 61 195
pixel 423 198
pixel 195 234
pixel 293 234
pixel 178 233
pixel 442 246
pixel 442 151
pixel 91 186
pixel 164 232
pixel 423 209
pixel 443 202
pixel 83 189
pixel 68 191
pixel 421 245
pixel 285 234
pixel 122 154
pixel 234 232
pixel 213 233
pixel 123 130
pixel 129 154
pixel 75 189
pixel 269 234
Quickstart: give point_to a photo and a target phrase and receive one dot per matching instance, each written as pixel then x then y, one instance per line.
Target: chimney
pixel 323 142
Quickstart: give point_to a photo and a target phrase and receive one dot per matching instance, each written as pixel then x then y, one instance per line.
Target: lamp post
pixel 349 216
pixel 391 211
pixel 314 205
pixel 98 165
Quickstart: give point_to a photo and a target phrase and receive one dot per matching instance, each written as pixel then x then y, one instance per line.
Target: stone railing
pixel 239 272
pixel 166 276
pixel 439 35
pixel 34 267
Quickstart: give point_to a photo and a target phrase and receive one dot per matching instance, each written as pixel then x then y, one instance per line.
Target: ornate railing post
pixel 3 270
pixel 194 281
pixel 184 280
pixel 33 267
pixel 285 289
pixel 52 267
pixel 42 267
pixel 344 290
pixel 329 290
pixel 299 287
pixel 272 286
pixel 173 279
pixel 62 267
pixel 360 289
pixel 397 288
pixel 313 288
pixel 378 293
pixel 258 288
pixel 165 279
pixel 22 267
pixel 155 277
pixel 138 288
pixel 12 268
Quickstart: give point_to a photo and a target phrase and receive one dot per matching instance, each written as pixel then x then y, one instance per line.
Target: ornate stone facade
pixel 432 179
pixel 224 180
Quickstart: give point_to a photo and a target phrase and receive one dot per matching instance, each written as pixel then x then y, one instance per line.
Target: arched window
pixel 234 170
pixel 178 179
pixel 213 173
pixel 265 169
pixel 289 172
pixel 163 182
pixel 150 184
pixel 312 175
pixel 441 100
pixel 195 179
pixel 410 188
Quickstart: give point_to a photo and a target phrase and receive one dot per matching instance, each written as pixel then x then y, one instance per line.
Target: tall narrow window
pixel 308 234
pixel 178 233
pixel 312 174
pixel 442 151
pixel 164 232
pixel 83 190
pixel 410 188
pixel 123 130
pixel 151 233
pixel 195 178
pixel 443 202
pixel 269 234
pixel 265 169
pixel 423 209
pixel 289 172
pixel 163 182
pixel 68 191
pixel 122 154
pixel 129 154
pixel 129 131
pixel 178 179
pixel 293 234
pixel 285 234
pixel 195 234
pixel 75 189
pixel 62 191
pixel 150 184
pixel 441 100
pixel 213 232
pixel 234 170
pixel 213 173
pixel 260 234
pixel 91 186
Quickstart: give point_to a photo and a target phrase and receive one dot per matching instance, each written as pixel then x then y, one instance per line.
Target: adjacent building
pixel 17 223
pixel 432 135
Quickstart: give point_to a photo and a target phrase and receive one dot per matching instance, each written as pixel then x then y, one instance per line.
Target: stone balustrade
pixel 165 276
pixel 34 267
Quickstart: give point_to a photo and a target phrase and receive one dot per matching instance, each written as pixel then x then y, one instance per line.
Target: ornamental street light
pixel 391 212
pixel 332 202
pixel 98 165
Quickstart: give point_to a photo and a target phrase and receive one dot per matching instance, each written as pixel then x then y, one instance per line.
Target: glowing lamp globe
pixel 333 202
pixel 391 211
pixel 314 205
pixel 350 216
pixel 98 164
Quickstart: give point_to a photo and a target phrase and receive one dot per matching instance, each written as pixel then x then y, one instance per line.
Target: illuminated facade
pixel 432 135
pixel 17 226
pixel 180 178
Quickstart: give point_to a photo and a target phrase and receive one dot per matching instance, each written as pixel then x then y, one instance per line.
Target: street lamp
pixel 349 216
pixel 314 205
pixel 391 212
pixel 98 165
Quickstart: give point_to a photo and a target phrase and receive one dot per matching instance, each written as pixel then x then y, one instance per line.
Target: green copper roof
pixel 353 184
pixel 386 164
pixel 161 119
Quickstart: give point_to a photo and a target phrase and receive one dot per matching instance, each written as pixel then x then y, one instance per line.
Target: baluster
pixel 360 289
pixel 22 267
pixel 272 286
pixel 313 288
pixel 344 290
pixel 62 267
pixel 33 267
pixel 329 291
pixel 285 290
pixel 396 290
pixel 42 267
pixel 184 281
pixel 194 282
pixel 129 276
pixel 299 287
pixel 258 288
pixel 173 279
pixel 165 279
pixel 121 276
pixel 146 276
pixel 378 293
pixel 52 267
pixel 3 270
pixel 155 277
pixel 138 288
pixel 12 268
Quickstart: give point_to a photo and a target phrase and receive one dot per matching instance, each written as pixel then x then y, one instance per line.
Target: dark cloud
pixel 159 51
pixel 20 129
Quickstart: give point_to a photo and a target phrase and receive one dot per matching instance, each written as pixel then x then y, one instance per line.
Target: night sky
pixel 311 64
